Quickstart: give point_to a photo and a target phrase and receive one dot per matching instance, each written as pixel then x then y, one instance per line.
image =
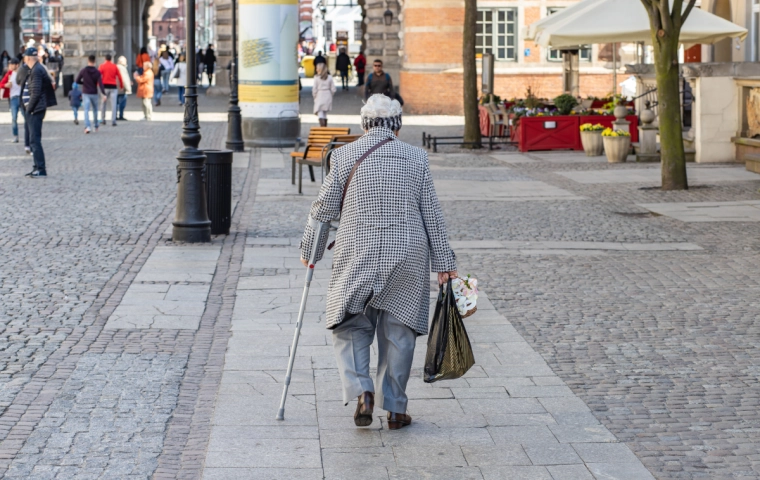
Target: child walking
pixel 75 100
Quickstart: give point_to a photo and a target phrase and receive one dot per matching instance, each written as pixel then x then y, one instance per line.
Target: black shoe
pixel 38 174
pixel 122 118
pixel 31 173
pixel 113 124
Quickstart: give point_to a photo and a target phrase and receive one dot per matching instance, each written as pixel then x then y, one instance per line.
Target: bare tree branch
pixel 665 15
pixel 654 17
pixel 688 10
pixel 677 9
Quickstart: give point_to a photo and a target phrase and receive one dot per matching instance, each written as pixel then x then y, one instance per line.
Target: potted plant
pixel 617 145
pixel 591 139
pixel 565 103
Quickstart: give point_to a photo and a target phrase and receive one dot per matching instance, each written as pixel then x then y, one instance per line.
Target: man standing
pixel 112 82
pixel 360 62
pixel 91 80
pixel 379 82
pixel 342 64
pixel 41 96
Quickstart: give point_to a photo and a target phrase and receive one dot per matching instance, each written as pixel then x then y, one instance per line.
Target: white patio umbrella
pixel 616 21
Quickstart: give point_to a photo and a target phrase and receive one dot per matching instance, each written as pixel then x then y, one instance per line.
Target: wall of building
pixel 431 77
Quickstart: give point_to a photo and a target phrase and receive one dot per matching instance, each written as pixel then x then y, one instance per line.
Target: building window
pixel 328 30
pixel 496 33
pixel 584 54
pixel 357 30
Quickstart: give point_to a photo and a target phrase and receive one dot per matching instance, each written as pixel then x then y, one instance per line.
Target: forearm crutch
pixel 320 230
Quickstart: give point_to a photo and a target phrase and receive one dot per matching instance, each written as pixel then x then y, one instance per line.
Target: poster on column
pixel 267 58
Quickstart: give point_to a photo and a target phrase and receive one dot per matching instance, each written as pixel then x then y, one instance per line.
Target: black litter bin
pixel 68 81
pixel 219 190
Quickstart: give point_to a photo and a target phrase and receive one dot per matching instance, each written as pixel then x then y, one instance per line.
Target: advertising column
pixel 268 72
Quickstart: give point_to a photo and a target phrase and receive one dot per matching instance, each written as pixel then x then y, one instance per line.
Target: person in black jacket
pixel 342 64
pixel 41 97
pixel 209 58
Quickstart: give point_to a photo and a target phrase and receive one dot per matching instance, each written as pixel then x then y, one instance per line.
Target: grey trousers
pixel 352 340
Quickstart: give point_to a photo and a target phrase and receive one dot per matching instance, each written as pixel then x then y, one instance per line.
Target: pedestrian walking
pixel 92 86
pixel 342 65
pixel 75 101
pixel 22 75
pixel 201 62
pixel 13 89
pixel 142 57
pixel 167 67
pixel 209 59
pixel 391 233
pixel 112 82
pixel 379 81
pixel 41 97
pixel 145 88
pixel 360 63
pixel 323 91
pixel 125 89
pixel 180 73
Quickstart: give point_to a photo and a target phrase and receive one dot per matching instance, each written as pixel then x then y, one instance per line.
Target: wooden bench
pixel 319 138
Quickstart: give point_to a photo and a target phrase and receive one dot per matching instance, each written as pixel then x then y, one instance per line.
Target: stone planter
pixel 592 143
pixel 617 148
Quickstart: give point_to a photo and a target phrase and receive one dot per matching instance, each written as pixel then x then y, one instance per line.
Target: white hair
pixel 380 106
pixel 381 111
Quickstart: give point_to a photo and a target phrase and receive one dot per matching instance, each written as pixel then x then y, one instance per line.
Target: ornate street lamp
pixel 191 222
pixel 388 17
pixel 234 120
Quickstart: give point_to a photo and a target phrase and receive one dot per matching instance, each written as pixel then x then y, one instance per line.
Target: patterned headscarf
pixel 381 111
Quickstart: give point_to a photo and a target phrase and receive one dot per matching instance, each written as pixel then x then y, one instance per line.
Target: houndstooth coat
pixel 391 231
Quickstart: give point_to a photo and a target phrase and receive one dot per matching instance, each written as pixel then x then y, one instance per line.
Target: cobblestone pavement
pixel 662 346
pixel 655 348
pixel 77 401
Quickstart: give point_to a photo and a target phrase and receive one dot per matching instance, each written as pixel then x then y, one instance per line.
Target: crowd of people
pixel 29 81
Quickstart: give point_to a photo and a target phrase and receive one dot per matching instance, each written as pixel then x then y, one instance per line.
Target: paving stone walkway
pixel 616 337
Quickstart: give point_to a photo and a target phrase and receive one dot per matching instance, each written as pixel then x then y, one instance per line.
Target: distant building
pixel 42 21
pixel 168 28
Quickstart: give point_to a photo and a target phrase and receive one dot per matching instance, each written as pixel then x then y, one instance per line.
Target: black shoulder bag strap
pixel 353 171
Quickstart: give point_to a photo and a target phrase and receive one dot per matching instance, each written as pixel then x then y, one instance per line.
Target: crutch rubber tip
pixel 281 414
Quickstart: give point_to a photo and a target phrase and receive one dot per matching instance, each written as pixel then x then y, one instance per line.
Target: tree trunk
pixel 669 98
pixel 470 76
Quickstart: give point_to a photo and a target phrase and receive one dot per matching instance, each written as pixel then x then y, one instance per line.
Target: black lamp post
pixel 234 120
pixel 191 222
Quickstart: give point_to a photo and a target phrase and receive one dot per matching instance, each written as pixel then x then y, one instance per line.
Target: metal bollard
pixel 219 190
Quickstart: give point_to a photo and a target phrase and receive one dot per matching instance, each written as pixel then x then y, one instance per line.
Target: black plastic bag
pixel 449 353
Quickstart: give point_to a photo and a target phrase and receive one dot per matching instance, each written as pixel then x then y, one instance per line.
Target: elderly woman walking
pixel 391 235
pixel 323 91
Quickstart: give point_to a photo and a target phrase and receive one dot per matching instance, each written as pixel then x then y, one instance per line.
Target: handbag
pixel 449 352
pixel 351 175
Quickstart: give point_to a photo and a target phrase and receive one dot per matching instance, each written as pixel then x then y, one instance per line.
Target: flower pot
pixel 617 148
pixel 592 143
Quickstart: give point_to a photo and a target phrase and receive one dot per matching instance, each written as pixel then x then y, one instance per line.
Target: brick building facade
pixel 431 73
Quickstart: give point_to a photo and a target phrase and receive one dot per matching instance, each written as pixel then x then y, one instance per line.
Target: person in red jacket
pixel 360 62
pixel 112 81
